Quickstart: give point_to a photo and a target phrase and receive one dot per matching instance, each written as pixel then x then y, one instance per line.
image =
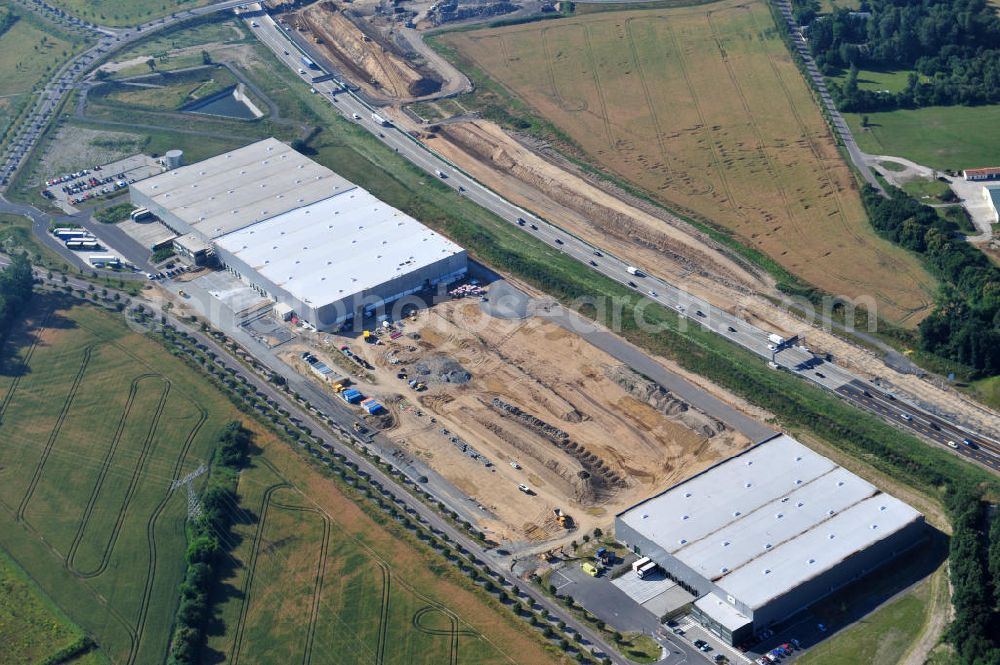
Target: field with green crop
pixel 317 576
pixel 941 137
pixel 96 422
pixel 31 625
pixel 117 13
pixel 703 109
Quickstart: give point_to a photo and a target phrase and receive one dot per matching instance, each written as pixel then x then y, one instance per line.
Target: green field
pixel 941 137
pixel 316 576
pixel 877 80
pixel 172 94
pixel 31 625
pixel 117 13
pixel 96 422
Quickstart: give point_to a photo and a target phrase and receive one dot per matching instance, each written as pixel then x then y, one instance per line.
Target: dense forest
pixel 965 325
pixel 952 48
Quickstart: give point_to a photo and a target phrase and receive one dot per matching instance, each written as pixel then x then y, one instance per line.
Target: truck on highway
pixel 632 270
pixel 379 120
pixel 777 340
pixel 308 63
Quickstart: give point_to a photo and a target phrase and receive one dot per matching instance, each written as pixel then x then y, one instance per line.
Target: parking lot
pixel 70 190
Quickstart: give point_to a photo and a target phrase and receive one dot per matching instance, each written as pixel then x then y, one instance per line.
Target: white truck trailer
pixel 646 570
pixel 632 270
pixel 636 565
pixel 379 120
pixel 777 340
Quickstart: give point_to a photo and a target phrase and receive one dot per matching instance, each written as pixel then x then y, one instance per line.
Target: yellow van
pixel 590 569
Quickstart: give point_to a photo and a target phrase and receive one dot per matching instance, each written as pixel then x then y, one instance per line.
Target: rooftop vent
pixel 812 561
pixel 767 571
pixel 737 513
pixel 682 541
pixel 780 515
pixel 767 546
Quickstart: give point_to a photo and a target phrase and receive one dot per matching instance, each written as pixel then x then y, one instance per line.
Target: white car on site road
pixel 515 465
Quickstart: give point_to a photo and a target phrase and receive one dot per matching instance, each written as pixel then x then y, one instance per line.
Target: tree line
pixel 15 291
pixel 209 539
pixel 965 324
pixel 951 46
pixel 974 564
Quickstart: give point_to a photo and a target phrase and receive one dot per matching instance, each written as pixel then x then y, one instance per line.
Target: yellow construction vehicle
pixel 565 521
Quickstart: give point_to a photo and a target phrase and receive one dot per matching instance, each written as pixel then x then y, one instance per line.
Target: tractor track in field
pixel 320 575
pixel 824 167
pixel 647 96
pixel 105 468
pixel 761 148
pixel 452 633
pixel 241 622
pixel 54 434
pixel 592 61
pixel 24 365
pixel 550 73
pixel 713 150
pixel 383 627
pixel 147 444
pixel 147 590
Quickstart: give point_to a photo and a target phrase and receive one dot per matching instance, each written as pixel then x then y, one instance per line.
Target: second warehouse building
pixel 767 533
pixel 301 234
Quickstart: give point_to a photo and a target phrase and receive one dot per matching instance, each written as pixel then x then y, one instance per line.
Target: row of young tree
pixel 965 324
pixel 974 566
pixel 15 291
pixel 951 46
pixel 209 543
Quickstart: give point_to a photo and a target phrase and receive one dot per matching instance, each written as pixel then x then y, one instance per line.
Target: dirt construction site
pixel 369 60
pixel 506 403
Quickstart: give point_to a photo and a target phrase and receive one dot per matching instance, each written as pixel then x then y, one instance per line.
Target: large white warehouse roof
pixel 242 187
pixel 337 247
pixel 765 521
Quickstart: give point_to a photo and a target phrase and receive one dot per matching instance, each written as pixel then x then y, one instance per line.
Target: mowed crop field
pixel 316 580
pixel 96 421
pixel 703 108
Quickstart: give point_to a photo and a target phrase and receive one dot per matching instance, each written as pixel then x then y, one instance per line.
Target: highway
pixel 789 356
